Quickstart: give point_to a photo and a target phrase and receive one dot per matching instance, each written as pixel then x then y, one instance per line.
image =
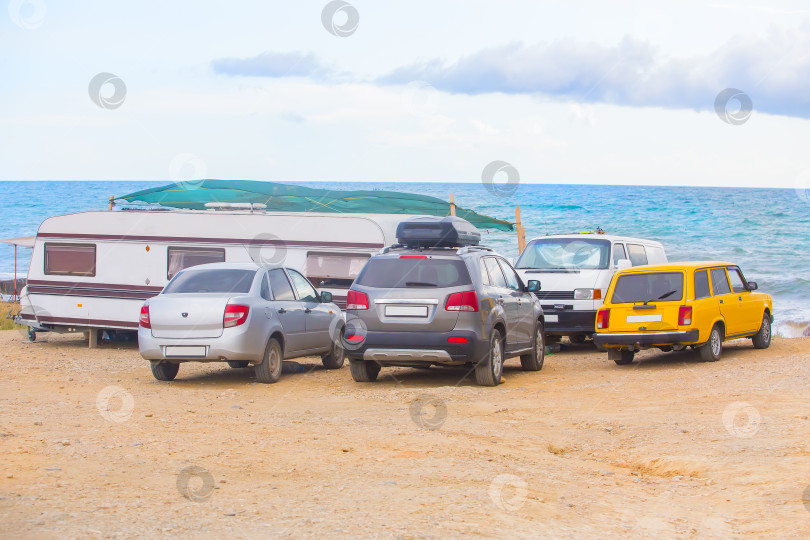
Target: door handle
pixel 307 310
pixel 282 310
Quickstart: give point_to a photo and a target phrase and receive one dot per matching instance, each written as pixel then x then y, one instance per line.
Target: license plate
pixel 185 351
pixel 644 318
pixel 552 318
pixel 406 311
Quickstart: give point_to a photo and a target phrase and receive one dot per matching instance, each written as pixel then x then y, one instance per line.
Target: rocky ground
pixel 93 446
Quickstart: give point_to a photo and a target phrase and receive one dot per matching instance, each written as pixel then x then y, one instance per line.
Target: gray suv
pixel 436 298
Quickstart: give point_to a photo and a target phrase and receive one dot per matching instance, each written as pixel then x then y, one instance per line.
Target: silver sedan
pixel 242 314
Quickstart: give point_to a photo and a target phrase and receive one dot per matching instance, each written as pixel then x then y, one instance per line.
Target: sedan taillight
pixel 602 319
pixel 356 300
pixel 143 320
pixel 684 315
pixel 462 301
pixel 235 315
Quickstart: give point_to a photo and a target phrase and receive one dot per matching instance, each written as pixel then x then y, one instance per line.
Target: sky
pixel 621 92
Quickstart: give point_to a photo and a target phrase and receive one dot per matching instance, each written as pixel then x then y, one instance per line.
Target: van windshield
pixel 565 254
pixel 221 280
pixel 652 287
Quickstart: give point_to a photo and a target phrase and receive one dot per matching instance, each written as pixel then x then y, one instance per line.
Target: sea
pixel 765 231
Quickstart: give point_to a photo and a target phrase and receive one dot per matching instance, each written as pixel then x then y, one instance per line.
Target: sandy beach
pixel 94 447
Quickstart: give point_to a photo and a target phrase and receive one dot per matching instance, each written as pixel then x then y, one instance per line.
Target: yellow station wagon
pixel 677 305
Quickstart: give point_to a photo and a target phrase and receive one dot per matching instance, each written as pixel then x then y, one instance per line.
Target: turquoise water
pixel 765 231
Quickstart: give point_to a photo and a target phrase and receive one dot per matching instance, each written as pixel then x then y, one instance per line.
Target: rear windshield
pixel 211 281
pixel 387 273
pixel 565 253
pixel 655 287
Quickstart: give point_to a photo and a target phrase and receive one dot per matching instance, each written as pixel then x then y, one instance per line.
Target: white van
pixel 575 270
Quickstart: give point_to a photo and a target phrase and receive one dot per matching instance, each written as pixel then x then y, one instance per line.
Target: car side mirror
pixel 621 264
pixel 533 286
pixel 326 297
pixel 752 286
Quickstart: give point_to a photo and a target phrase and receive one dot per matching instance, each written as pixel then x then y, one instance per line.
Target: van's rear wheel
pixel 165 371
pixel 622 358
pixel 712 349
pixel 534 361
pixel 488 371
pixel 762 340
pixel 238 364
pixel 364 371
pixel 269 370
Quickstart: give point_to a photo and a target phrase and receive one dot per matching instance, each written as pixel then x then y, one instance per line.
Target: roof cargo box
pixel 432 231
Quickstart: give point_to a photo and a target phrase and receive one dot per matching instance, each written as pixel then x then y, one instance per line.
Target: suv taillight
pixel 235 315
pixel 684 315
pixel 602 319
pixel 462 301
pixel 143 320
pixel 356 300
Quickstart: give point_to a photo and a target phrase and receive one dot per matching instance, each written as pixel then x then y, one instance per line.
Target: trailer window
pixel 334 270
pixel 181 258
pixel 70 259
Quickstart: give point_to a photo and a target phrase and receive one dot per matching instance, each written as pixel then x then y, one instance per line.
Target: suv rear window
pixel 211 281
pixel 388 273
pixel 655 287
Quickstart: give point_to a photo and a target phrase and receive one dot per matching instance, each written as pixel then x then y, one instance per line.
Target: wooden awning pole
pixel 111 201
pixel 521 234
pixel 15 272
pixel 452 205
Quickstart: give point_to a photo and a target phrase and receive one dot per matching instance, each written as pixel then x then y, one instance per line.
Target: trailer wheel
pixel 165 371
pixel 32 334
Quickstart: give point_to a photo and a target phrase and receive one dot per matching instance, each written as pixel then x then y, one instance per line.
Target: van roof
pixel 597 236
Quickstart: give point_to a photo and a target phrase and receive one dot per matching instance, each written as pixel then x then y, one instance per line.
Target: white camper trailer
pixel 93 270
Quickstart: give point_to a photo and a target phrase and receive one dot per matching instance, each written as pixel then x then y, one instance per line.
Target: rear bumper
pixel 413 348
pixel 569 321
pixel 648 339
pixel 236 347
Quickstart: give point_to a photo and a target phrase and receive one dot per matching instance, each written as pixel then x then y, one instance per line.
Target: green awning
pixel 287 198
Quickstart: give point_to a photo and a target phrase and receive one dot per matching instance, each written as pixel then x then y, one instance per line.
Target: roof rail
pixel 467 249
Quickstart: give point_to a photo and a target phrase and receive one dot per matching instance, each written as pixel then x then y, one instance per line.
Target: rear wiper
pixel 420 284
pixel 665 295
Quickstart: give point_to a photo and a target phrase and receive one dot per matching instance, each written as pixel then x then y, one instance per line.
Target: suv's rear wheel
pixel 712 349
pixel 762 340
pixel 269 370
pixel 165 371
pixel 363 370
pixel 534 361
pixel 488 371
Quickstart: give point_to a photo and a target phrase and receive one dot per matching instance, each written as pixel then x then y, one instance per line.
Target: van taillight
pixel 462 301
pixel 235 315
pixel 356 300
pixel 602 319
pixel 143 320
pixel 684 315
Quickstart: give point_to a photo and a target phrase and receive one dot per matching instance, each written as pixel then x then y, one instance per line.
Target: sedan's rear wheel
pixel 712 349
pixel 534 360
pixel 269 370
pixel 364 371
pixel 762 340
pixel 165 371
pixel 334 358
pixel 488 371
pixel 238 364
